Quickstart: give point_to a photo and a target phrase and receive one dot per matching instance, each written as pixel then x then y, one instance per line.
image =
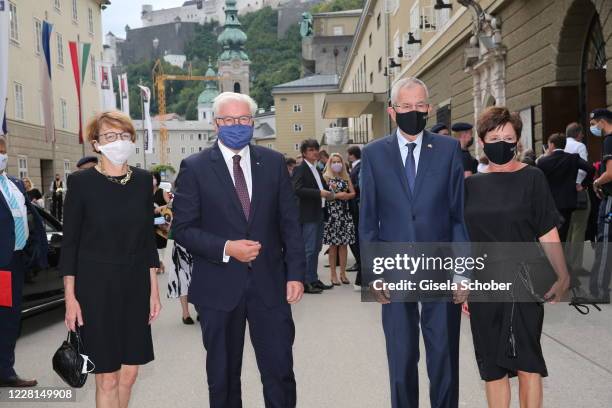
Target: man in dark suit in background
pixel 23 244
pixel 235 212
pixel 412 191
pixel 561 170
pixel 311 192
pixel 354 158
pixel 464 134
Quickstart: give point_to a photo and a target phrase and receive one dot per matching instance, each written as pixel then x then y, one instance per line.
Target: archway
pixel 237 87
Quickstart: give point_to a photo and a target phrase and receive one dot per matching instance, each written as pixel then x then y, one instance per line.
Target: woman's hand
pixel 154 307
pixel 73 314
pixel 557 290
pixel 341 196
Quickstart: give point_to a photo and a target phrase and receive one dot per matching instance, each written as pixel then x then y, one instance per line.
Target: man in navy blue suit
pixel 235 211
pixel 23 244
pixel 412 191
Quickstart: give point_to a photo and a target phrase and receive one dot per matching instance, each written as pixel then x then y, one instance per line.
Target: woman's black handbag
pixel 70 363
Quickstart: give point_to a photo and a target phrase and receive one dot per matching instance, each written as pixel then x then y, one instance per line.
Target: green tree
pixel 337 5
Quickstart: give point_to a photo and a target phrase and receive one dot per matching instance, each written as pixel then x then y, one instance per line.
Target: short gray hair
pixel 227 97
pixel 574 130
pixel 407 83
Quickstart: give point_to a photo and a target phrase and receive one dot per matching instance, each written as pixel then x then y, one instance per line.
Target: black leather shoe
pixel 188 320
pixel 16 382
pixel 353 268
pixel 310 288
pixel 322 286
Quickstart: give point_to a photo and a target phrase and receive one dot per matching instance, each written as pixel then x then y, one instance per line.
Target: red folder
pixel 6 290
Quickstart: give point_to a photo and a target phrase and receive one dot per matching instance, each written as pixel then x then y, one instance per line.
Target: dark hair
pixel 307 144
pixel 495 117
pixel 558 139
pixel 355 151
pixel 290 161
pixel 324 153
pixel 157 176
pixel 574 130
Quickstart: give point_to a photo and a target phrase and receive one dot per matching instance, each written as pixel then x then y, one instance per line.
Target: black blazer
pixel 561 169
pixel 308 193
pixel 207 213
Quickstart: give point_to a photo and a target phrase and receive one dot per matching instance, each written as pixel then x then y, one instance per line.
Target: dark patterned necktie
pixel 241 186
pixel 410 165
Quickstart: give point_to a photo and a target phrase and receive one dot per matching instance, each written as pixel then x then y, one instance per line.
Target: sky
pixel 122 12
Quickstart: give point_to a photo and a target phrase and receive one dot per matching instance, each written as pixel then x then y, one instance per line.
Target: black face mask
pixel 500 152
pixel 411 123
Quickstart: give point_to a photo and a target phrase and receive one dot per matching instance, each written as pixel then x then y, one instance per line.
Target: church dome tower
pixel 233 62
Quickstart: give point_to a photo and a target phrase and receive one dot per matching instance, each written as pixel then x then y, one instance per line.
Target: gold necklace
pixel 123 181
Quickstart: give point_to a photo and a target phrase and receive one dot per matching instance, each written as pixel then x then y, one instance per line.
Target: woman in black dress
pixel 109 260
pixel 33 193
pixel 160 203
pixel 511 202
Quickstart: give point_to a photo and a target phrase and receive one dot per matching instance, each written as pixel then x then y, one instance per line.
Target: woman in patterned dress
pixel 179 278
pixel 339 229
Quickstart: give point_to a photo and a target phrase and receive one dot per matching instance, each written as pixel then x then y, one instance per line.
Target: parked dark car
pixel 44 288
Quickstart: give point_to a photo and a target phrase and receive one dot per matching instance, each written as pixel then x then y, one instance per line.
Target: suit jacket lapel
pixel 425 158
pixel 396 158
pixel 227 183
pixel 257 176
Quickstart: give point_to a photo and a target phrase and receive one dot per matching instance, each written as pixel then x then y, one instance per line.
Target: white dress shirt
pixel 22 211
pixel 416 152
pixel 317 177
pixel 574 146
pixel 245 164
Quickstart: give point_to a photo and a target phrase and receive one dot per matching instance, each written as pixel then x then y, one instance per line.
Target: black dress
pixel 108 246
pixel 508 207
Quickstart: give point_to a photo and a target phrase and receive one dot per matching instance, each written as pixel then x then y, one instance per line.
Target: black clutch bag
pixel 70 363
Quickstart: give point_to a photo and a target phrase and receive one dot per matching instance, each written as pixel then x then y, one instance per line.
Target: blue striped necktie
pixel 20 234
pixel 410 165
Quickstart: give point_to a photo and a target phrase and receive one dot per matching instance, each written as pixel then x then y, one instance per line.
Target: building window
pixel 138 150
pixel 14 23
pixel 270 146
pixel 200 149
pixel 296 147
pixel 58 5
pixel 22 166
pixel 37 35
pixel 19 105
pixel 370 40
pixel 182 137
pixel 191 136
pixel 297 108
pixel 75 14
pixel 91 20
pixel 167 150
pixel 199 136
pixel 371 78
pixel 60 49
pixel 93 68
pixel 338 30
pixel 192 149
pixel 138 165
pixel 64 113
pixel 297 127
pixel 380 64
pixel 378 21
pixel 66 168
pixel 182 150
pixel 153 150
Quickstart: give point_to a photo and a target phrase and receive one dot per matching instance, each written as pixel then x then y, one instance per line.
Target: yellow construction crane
pixel 159 81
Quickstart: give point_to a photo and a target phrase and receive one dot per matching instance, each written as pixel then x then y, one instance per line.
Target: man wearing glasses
pixel 235 211
pixel 412 191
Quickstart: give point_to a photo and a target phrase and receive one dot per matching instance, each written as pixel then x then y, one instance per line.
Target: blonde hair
pixel 328 173
pixel 27 180
pixel 117 118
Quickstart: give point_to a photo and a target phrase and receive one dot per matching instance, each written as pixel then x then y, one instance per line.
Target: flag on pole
pixel 79 55
pixel 124 94
pixel 4 60
pixel 145 94
pixel 4 129
pixel 107 93
pixel 45 80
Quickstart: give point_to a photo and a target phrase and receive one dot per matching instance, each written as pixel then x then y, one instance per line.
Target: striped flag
pixel 107 93
pixel 4 60
pixel 79 54
pixel 45 80
pixel 145 94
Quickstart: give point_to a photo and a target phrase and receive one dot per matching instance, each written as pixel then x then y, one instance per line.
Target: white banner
pixel 107 93
pixel 4 59
pixel 124 94
pixel 145 94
